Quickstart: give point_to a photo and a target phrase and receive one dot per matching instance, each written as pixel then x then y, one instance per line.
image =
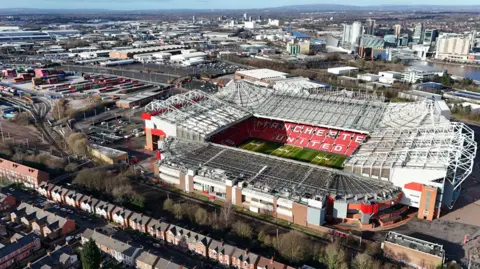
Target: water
pixel 457 70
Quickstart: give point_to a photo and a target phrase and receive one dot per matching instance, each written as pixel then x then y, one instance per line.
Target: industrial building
pixel 453 47
pixel 24 36
pixel 260 75
pixel 412 251
pixel 129 53
pixel 108 155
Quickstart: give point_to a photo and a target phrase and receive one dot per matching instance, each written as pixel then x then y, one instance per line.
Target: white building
pixel 413 74
pixel 343 70
pixel 368 77
pixel 351 32
pixel 251 25
pixel 453 46
pixel 273 22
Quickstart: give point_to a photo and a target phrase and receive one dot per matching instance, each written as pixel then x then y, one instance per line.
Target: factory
pixel 130 53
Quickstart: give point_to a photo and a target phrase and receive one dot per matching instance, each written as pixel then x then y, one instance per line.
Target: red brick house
pixel 20 248
pixel 42 222
pixel 221 252
pixel 243 259
pixel 139 222
pixel 265 263
pixel 45 189
pixel 20 173
pixel 157 229
pixel 7 202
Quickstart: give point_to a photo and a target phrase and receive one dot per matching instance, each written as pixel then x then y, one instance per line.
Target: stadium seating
pixel 301 135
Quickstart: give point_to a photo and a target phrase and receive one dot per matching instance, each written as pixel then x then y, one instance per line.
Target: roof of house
pixel 140 218
pixel 104 205
pixel 21 241
pixel 245 256
pixel 59 256
pixel 221 247
pixel 265 263
pixel 194 238
pixel 158 225
pixel 120 211
pixel 40 216
pixel 110 242
pixel 147 258
pixel 166 264
pixel 3 196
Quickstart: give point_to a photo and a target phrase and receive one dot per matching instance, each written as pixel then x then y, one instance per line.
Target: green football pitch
pixel 294 152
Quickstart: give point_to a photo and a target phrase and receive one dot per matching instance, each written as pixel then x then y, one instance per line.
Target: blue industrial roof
pixel 472 95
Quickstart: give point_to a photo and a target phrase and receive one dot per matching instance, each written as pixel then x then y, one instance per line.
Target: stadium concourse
pixel 266 148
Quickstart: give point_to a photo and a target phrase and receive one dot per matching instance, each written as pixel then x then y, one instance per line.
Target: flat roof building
pixel 413 251
pixel 108 155
pixel 342 70
pixel 262 75
pixel 129 53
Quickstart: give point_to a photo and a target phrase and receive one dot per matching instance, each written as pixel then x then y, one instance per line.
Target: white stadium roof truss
pixel 327 107
pixel 448 146
pixel 198 111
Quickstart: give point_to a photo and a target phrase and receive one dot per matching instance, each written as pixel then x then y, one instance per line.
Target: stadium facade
pixel 397 155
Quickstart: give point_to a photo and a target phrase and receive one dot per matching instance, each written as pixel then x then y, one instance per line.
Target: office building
pixel 351 34
pixel 370 27
pixel 245 16
pixel 194 19
pixel 397 28
pixel 418 33
pixel 429 36
pixel 453 47
pixel 420 73
pixel 412 251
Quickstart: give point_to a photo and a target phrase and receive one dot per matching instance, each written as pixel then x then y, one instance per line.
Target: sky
pixel 203 4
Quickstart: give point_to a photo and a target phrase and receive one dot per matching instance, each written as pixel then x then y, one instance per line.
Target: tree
pixel 242 229
pixel 177 210
pixel 293 246
pixel 201 216
pixel 168 205
pixel 90 255
pixel 226 213
pixel 363 260
pixel 335 255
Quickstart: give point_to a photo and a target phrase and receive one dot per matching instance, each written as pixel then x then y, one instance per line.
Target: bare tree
pixel 335 255
pixel 201 216
pixel 242 229
pixel 226 213
pixel 178 211
pixel 293 246
pixel 168 205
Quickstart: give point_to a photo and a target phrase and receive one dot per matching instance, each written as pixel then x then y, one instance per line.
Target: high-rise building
pixel 370 27
pixel 245 16
pixel 453 46
pixel 397 28
pixel 351 33
pixel 429 36
pixel 418 33
pixel 194 19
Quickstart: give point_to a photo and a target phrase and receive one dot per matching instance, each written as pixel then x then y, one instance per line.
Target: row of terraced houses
pixel 224 254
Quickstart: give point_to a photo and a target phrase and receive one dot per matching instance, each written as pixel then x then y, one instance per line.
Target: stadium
pixel 311 155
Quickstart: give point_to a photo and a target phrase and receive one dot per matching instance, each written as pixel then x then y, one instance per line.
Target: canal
pixel 472 72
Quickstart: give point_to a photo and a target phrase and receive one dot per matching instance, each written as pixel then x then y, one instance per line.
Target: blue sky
pixel 203 4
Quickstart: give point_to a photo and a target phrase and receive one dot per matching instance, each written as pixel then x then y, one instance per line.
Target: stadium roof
pixel 282 177
pixel 328 107
pixel 196 113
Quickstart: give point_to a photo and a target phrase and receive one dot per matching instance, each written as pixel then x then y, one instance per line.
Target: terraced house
pixel 157 229
pixel 87 204
pixel 104 210
pixel 120 251
pixel 139 222
pixel 45 189
pixel 221 252
pixel 42 222
pixel 120 216
pixel 244 259
pixel 18 249
pixel 72 198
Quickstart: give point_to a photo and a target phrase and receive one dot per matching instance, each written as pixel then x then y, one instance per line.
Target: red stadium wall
pixel 301 135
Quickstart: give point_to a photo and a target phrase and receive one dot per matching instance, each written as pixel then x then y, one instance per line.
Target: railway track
pixel 38 112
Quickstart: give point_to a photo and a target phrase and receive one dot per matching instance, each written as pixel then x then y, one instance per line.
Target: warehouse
pixel 344 70
pixel 129 53
pixel 108 155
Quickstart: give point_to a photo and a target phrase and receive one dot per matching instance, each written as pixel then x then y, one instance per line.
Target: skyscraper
pixel 397 28
pixel 418 33
pixel 429 36
pixel 194 19
pixel 351 34
pixel 370 27
pixel 245 16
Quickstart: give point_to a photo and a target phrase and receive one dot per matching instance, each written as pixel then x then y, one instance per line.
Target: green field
pixel 294 152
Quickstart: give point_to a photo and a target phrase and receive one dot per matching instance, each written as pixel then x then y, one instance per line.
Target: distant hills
pixel 297 8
